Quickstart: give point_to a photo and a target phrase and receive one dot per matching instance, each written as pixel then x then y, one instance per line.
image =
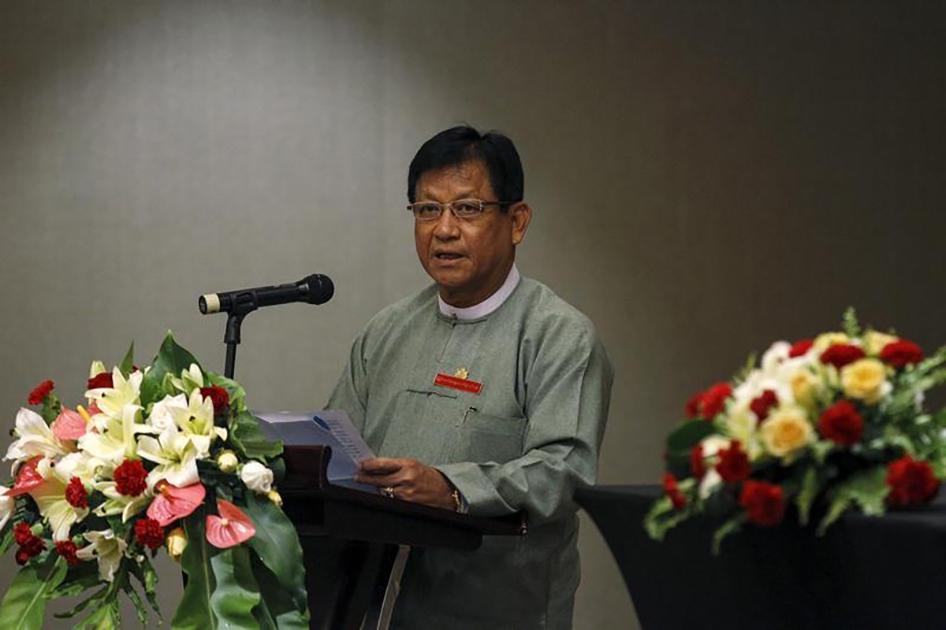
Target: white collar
pixel 488 305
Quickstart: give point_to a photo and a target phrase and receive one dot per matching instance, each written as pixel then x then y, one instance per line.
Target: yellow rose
pixel 826 340
pixel 875 341
pixel 805 387
pixel 786 432
pixel 865 380
pixel 176 543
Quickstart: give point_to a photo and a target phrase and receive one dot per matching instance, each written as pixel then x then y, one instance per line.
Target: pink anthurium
pixel 229 529
pixel 27 478
pixel 69 425
pixel 171 503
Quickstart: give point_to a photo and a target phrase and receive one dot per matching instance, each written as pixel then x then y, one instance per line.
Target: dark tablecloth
pixel 867 572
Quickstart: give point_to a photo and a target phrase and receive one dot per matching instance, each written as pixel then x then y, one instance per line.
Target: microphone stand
pixel 243 306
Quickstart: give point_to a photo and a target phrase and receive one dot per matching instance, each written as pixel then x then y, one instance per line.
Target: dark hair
pixel 465 144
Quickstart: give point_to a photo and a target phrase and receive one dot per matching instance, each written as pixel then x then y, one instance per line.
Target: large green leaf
pixel 236 593
pixel 171 359
pixel 234 390
pixel 194 612
pixel 276 543
pixel 104 617
pixel 688 435
pixel 6 537
pixel 247 438
pixel 148 578
pixel 128 362
pixel 24 604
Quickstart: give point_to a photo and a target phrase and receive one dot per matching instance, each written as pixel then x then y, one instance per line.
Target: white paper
pixel 329 427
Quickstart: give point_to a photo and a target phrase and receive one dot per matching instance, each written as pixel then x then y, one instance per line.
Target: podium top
pixel 306 481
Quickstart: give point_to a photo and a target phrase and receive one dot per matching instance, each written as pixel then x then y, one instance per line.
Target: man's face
pixel 468 259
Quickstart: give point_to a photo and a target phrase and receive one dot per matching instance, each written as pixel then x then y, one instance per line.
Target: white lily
pixel 105 547
pixel 34 437
pixel 112 401
pixel 50 498
pixel 81 465
pixel 191 378
pixel 115 438
pixel 7 506
pixel 175 455
pixel 117 503
pixel 197 423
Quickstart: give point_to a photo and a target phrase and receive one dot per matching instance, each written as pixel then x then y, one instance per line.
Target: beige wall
pixel 706 176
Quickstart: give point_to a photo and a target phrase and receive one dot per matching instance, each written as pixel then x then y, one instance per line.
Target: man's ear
pixel 521 215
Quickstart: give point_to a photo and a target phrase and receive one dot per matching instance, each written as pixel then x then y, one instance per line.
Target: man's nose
pixel 448 226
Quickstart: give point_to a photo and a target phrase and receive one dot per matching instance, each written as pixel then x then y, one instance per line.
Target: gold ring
pixel 388 491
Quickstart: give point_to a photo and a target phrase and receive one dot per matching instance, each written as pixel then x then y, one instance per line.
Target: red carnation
pixel 673 491
pixel 218 395
pixel 762 404
pixel 67 549
pixel 800 348
pixel 714 399
pixel 841 423
pixel 693 405
pixel 76 496
pixel 911 482
pixel 764 503
pixel 733 465
pixel 40 392
pixel 130 478
pixel 149 533
pixel 22 532
pixel 697 465
pixel 901 353
pixel 100 380
pixel 840 354
pixel 31 546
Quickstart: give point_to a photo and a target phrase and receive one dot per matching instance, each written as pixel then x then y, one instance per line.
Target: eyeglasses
pixel 462 209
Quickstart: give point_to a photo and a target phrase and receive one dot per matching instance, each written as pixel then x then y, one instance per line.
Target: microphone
pixel 314 289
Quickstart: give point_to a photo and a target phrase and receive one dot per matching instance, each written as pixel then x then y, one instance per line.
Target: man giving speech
pixel 484 393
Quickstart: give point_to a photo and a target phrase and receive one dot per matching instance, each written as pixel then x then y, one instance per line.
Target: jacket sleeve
pixel 351 390
pixel 568 391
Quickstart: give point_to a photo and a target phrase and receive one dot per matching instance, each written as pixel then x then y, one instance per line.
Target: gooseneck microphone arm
pixel 314 289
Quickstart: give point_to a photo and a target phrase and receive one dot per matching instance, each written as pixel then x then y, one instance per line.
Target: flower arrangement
pixel 162 456
pixel 820 426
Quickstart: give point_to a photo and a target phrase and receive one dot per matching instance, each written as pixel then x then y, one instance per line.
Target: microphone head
pixel 319 288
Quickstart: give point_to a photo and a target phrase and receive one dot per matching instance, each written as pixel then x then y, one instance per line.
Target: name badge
pixel 455 382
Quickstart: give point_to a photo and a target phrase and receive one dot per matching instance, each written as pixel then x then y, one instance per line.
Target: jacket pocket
pixel 487 438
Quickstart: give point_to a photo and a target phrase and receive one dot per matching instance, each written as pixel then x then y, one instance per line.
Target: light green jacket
pixel 524 443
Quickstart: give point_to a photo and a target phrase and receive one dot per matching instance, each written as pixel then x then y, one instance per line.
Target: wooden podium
pixel 356 544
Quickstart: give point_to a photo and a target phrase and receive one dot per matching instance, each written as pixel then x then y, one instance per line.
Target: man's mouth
pixel 447 256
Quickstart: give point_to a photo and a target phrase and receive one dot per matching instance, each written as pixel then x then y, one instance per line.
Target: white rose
pixel 257 477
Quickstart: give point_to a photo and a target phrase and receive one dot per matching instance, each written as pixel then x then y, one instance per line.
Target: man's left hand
pixel 410 479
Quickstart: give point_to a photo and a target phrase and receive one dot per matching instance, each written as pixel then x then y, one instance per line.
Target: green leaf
pixel 811 485
pixel 6 538
pixel 725 530
pixel 24 605
pixel 663 517
pixel 866 489
pixel 236 593
pixel 849 323
pixel 194 612
pixel 128 362
pixel 51 408
pixel 148 577
pixel 688 435
pixel 140 610
pixel 170 361
pixel 105 617
pixel 277 545
pixel 95 598
pixel 79 579
pixel 249 440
